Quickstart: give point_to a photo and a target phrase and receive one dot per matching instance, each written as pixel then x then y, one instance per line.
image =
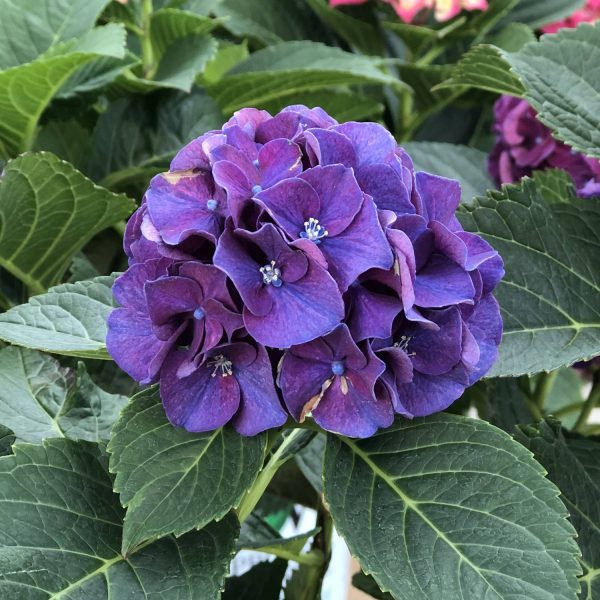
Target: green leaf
pixel 467 165
pixel 30 27
pixel 579 488
pixel 294 67
pixel 7 439
pixel 69 319
pixel 513 37
pixel 169 25
pixel 69 140
pixel 567 392
pixel 536 13
pixel 48 212
pixel 359 34
pixel 26 91
pixel 262 582
pixel 551 308
pixel 61 526
pixel 505 404
pixel 228 55
pixel 136 138
pixel 485 67
pixel 462 510
pixel 270 21
pixel 562 85
pixel 172 481
pixel 40 399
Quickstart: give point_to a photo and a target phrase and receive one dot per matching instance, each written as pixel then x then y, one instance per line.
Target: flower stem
pixel 543 388
pixel 589 405
pixel 279 457
pixel 145 40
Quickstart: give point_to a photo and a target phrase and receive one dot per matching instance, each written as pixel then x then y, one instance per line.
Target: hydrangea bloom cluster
pixel 408 10
pixel 523 144
pixel 588 14
pixel 290 264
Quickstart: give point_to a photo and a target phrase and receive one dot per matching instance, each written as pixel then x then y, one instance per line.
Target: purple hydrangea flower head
pixel 292 265
pixel 524 144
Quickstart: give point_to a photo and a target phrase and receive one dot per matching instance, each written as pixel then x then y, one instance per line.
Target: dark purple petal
pixel 440 196
pixel 302 310
pixel 372 143
pixel 442 283
pixel 386 187
pixel 170 296
pixel 277 160
pixel 327 147
pixel 203 401
pixel 372 314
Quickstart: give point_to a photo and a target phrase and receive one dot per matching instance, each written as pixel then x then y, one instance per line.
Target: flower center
pixel 402 344
pixel 337 367
pixel 256 189
pixel 271 274
pixel 222 364
pixel 313 231
pixel 255 162
pixel 212 204
pixel 199 314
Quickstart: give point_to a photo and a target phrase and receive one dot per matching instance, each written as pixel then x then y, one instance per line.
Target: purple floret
pixel 524 144
pixel 289 265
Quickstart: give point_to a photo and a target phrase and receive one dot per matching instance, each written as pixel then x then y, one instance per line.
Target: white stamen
pixel 220 363
pixel 313 231
pixel 271 274
pixel 403 344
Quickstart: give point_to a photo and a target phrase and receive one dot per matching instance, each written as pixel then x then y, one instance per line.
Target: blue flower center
pixel 212 204
pixel 221 365
pixel 337 367
pixel 199 314
pixel 271 275
pixel 313 231
pixel 538 139
pixel 255 162
pixel 256 189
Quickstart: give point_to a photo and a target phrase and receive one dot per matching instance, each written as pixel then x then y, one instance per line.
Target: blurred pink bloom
pixel 588 14
pixel 407 10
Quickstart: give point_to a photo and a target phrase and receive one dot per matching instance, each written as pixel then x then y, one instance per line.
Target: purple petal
pixel 277 160
pixel 178 207
pixel 386 188
pixel 284 125
pixel 199 402
pixel 372 314
pixel 360 247
pixel 170 296
pixel 302 311
pixel 327 147
pixel 440 196
pixel 442 283
pixel 260 408
pixel 372 143
pixel 290 203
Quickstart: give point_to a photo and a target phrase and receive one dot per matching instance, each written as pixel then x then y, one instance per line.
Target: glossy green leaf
pixel 505 404
pixel 310 461
pixel 294 67
pixel 69 319
pixel 580 490
pixel 39 399
pixel 462 510
pixel 467 165
pixel 366 584
pixel 61 527
pixel 172 481
pixel 48 211
pixel 29 28
pixel 550 295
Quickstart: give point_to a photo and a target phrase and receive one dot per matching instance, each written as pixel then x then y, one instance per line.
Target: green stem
pixel 314 558
pixel 589 405
pixel 543 387
pixel 145 41
pixel 278 458
pixel 567 410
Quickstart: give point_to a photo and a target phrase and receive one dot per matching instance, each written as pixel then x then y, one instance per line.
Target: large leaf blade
pixel 550 295
pixel 69 319
pixel 59 513
pixel 172 481
pixel 462 510
pixel 48 211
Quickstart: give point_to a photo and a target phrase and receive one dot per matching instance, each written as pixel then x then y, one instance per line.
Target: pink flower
pixel 588 14
pixel 407 10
